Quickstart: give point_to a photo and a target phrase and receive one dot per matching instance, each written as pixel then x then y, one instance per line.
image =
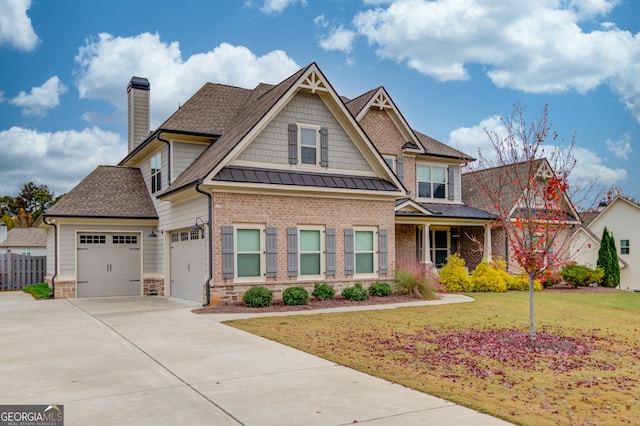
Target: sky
pixel 454 68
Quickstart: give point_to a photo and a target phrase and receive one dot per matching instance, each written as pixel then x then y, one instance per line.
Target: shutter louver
pixel 450 182
pixel 324 147
pixel 272 252
pixel 400 169
pixel 227 253
pixel 292 252
pixel 348 252
pixel 330 246
pixel 383 250
pixel 293 144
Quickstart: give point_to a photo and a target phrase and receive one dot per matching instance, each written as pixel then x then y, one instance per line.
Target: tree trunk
pixel 532 320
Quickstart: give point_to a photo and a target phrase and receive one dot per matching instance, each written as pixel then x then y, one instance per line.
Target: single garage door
pixel 187 265
pixel 108 265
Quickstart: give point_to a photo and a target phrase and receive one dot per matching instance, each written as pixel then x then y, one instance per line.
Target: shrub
pixel 322 291
pixel 581 275
pixel 489 278
pixel 357 292
pixel 38 291
pixel 550 278
pixel 295 296
pixel 380 288
pixel 521 283
pixel 257 297
pixel 415 281
pixel 454 276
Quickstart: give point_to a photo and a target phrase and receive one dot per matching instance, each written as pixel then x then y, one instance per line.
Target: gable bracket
pixel 314 82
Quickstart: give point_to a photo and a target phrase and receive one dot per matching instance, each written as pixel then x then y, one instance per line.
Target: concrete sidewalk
pixel 151 361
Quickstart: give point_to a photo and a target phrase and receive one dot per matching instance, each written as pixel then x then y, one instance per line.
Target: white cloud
pixel 589 167
pixel 474 140
pixel 339 39
pixel 41 98
pixel 107 64
pixel 277 6
pixel 620 148
pixel 15 25
pixel 532 46
pixel 30 155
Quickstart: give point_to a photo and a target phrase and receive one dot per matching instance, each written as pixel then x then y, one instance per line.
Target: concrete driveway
pixel 150 361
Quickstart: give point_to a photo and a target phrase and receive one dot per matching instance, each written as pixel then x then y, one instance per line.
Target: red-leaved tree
pixel 524 183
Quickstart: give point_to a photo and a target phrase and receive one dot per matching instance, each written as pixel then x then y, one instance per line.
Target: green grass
pixel 38 291
pixel 466 353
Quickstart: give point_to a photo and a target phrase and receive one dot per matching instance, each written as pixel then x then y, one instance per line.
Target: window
pixel 391 161
pixel 311 250
pixel 309 145
pixel 364 250
pixel 249 252
pixel 431 181
pixel 125 239
pixel 93 239
pixel 624 246
pixel 26 252
pixel 156 173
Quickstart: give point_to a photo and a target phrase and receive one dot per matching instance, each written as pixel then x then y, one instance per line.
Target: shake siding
pixel 184 154
pixel 271 145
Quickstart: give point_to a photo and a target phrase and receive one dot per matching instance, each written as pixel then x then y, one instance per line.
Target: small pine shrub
pixel 257 297
pixel 380 289
pixel 489 278
pixel 295 296
pixel 521 283
pixel 322 291
pixel 454 276
pixel 415 281
pixel 357 292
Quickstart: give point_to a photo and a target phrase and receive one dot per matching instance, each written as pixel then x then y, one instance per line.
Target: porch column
pixel 426 246
pixel 486 253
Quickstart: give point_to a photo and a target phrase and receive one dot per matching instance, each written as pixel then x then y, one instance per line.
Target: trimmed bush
pixel 357 292
pixel 295 296
pixel 550 278
pixel 454 276
pixel 415 281
pixel 380 289
pixel 521 283
pixel 581 275
pixel 257 297
pixel 322 291
pixel 489 278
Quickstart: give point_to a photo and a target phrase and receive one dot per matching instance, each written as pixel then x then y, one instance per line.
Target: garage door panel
pixel 187 265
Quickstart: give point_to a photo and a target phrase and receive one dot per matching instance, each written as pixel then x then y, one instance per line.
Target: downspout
pixel 168 157
pixel 210 248
pixel 52 222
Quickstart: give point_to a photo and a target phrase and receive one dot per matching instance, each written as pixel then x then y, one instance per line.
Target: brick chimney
pixel 138 92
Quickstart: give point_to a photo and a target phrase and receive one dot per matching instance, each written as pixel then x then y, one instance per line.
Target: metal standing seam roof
pixel 281 177
pixel 458 211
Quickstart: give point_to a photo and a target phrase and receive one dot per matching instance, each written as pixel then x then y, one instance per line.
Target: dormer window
pixel 308 145
pixel 156 172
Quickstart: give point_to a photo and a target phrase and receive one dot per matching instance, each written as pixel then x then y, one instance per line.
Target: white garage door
pixel 187 265
pixel 108 265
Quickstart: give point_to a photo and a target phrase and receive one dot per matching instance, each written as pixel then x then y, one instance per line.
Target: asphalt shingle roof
pixel 25 237
pixel 108 191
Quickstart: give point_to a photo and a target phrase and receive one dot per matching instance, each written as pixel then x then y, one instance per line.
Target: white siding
pixel 271 145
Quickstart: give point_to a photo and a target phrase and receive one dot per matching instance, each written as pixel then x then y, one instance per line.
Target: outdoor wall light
pixel 200 227
pixel 153 233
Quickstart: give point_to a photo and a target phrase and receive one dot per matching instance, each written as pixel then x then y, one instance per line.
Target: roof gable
pixel 618 201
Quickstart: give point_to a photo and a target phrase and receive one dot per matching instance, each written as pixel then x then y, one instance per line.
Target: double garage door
pixel 187 265
pixel 109 264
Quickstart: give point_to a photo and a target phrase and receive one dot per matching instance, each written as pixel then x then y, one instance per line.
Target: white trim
pixel 431 165
pixel 316 164
pixel 374 232
pixel 261 252
pixel 322 253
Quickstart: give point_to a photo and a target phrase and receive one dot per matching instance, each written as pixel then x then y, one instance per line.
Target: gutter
pixel 52 222
pixel 210 248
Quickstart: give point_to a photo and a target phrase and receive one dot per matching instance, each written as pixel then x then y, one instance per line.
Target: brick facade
pixel 283 212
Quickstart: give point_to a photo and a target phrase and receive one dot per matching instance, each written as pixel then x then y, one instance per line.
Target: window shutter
pixel 272 252
pixel 227 252
pixel 450 171
pixel 383 257
pixel 400 168
pixel 292 252
pixel 348 252
pixel 324 147
pixel 293 144
pixel 330 246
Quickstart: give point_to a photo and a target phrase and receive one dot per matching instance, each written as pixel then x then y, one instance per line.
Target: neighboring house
pixel 26 241
pixel 506 184
pixel 280 185
pixel 618 216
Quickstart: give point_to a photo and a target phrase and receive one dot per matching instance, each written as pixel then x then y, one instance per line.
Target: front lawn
pixel 584 368
pixel 38 291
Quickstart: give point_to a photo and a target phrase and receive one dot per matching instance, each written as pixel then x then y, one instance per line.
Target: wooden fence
pixel 17 270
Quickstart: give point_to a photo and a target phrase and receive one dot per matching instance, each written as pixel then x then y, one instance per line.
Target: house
pixel 25 241
pixel 618 217
pixel 280 185
pixel 518 192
